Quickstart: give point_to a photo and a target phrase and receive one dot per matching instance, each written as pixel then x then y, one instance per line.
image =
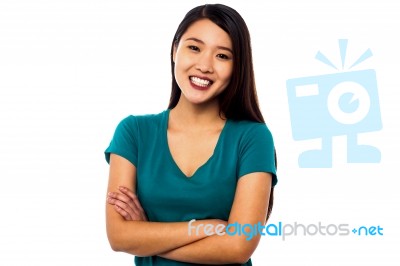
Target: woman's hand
pixel 127 204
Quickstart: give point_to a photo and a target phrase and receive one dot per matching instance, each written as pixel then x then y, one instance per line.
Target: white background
pixel 71 70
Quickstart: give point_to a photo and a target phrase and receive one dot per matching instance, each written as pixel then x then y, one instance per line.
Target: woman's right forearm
pixel 134 234
pixel 144 238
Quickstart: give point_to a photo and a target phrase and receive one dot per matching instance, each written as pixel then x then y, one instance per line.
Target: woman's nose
pixel 205 63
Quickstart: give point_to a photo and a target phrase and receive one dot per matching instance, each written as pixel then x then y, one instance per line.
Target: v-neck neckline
pixel 221 134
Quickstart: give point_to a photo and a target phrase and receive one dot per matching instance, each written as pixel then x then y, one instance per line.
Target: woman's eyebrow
pixel 200 41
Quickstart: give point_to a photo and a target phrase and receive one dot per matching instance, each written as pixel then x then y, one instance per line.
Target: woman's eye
pixel 223 56
pixel 194 48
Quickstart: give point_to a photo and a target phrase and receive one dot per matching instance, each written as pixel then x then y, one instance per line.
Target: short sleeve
pixel 125 141
pixel 257 152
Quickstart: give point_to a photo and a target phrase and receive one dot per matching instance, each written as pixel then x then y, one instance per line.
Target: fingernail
pixel 123 188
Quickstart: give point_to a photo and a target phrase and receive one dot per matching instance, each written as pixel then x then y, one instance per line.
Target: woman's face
pixel 203 62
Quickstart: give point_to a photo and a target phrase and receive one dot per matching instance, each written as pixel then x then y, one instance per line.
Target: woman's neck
pixel 204 116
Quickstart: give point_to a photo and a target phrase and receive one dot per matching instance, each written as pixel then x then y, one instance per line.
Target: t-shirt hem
pixel 274 176
pixel 125 154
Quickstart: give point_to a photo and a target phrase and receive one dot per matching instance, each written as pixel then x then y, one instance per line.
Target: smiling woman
pixel 208 157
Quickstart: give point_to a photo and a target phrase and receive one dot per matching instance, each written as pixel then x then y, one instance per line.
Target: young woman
pixel 177 178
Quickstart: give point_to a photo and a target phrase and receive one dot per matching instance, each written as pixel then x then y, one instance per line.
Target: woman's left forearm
pixel 215 249
pixel 249 208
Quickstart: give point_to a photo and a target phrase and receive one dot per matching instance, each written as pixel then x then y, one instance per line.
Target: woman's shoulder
pixel 245 131
pixel 144 119
pixel 246 126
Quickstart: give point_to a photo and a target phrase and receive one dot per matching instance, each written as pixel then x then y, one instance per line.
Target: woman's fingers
pixel 122 208
pixel 120 197
pixel 132 196
pixel 123 213
pixel 127 205
pixel 129 193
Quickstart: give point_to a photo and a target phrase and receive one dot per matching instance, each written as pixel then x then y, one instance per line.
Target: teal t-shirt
pixel 164 191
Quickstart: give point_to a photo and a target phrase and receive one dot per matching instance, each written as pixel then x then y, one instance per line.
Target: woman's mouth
pixel 200 82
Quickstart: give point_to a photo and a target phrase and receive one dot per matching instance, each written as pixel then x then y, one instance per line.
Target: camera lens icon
pixel 348 103
pixel 325 106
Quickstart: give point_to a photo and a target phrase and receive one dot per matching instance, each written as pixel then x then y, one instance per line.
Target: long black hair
pixel 239 100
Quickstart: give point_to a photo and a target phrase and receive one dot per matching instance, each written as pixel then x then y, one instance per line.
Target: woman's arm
pixel 249 207
pixel 140 237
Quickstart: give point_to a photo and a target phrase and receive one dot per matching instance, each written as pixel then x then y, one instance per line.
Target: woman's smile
pixel 200 83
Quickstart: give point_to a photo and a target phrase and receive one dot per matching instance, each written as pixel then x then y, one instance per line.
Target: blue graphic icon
pixel 344 103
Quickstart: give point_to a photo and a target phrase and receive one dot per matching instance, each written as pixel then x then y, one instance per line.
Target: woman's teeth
pixel 200 82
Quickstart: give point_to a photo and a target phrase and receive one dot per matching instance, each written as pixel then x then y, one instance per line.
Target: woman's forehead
pixel 208 32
